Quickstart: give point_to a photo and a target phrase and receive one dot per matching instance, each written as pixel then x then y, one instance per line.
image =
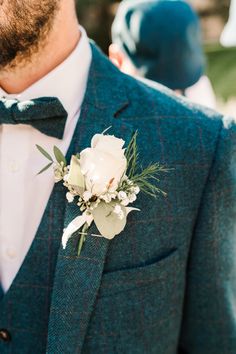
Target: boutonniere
pixel 104 180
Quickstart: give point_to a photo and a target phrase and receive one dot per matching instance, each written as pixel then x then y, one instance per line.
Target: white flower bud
pixel 136 189
pixel 113 195
pixel 119 212
pixel 117 209
pixel 122 195
pixel 69 197
pixel 125 202
pixel 65 178
pixel 132 198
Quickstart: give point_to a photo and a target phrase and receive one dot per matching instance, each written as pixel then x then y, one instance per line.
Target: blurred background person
pixel 160 40
pixel 228 36
pixel 97 17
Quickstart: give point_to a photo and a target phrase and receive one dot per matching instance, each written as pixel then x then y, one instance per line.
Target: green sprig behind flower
pixel 147 178
pixel 131 155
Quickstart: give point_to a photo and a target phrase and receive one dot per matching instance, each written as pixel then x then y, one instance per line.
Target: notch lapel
pixel 77 279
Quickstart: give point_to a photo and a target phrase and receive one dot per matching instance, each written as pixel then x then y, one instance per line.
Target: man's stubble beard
pixel 24 28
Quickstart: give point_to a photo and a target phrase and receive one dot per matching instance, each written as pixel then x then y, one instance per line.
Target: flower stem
pixel 82 238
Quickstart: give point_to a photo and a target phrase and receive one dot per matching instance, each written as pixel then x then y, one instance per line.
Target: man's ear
pixel 116 56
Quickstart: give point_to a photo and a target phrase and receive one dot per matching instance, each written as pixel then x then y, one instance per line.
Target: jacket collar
pixel 77 279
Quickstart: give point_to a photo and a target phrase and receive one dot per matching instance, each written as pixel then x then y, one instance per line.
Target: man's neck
pixel 61 41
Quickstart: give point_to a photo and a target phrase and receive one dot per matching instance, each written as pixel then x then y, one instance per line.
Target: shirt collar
pixel 67 82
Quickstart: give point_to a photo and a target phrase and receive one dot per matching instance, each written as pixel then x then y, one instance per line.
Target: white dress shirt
pixel 24 194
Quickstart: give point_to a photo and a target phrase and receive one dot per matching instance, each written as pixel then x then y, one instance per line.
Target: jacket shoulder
pixel 151 103
pixel 186 133
pixel 159 101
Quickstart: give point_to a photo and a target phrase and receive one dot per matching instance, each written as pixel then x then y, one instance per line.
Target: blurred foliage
pixel 97 16
pixel 222 70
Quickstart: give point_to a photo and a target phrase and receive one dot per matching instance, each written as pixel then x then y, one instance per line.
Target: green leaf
pixel 44 152
pixel 75 177
pixel 107 222
pixel 148 179
pixel 45 168
pixel 59 155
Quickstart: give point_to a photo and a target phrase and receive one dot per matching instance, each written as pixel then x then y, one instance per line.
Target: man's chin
pixel 24 29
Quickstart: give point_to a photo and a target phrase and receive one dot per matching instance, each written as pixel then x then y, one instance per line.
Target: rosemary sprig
pixel 147 178
pixel 131 155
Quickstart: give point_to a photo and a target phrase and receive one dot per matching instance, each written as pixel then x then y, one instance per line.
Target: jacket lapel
pixel 77 279
pixel 1 292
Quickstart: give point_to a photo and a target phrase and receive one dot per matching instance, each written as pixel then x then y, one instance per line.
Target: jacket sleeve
pixel 209 318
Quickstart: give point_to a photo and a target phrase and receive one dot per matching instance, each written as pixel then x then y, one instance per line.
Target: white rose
pixel 104 164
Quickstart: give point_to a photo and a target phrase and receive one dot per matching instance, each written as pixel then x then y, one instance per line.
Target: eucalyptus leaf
pixel 59 155
pixel 75 177
pixel 44 152
pixel 107 222
pixel 45 168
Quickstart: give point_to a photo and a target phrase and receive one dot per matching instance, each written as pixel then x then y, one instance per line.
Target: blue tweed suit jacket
pixel 167 284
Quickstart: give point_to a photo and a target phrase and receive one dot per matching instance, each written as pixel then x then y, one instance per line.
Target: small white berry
pixel 87 195
pixel 122 195
pixel 136 189
pixel 132 198
pixel 125 202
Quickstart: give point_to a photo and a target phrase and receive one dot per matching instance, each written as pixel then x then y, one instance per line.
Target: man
pixel 167 283
pixel 161 41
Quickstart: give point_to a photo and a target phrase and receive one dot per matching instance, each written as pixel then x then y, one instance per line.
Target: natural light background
pixel 97 16
pixel 221 61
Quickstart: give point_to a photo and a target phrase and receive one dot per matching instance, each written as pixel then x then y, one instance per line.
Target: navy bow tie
pixel 46 114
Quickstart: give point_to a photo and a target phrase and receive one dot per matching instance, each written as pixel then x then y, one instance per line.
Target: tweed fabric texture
pixel 25 308
pixel 167 283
